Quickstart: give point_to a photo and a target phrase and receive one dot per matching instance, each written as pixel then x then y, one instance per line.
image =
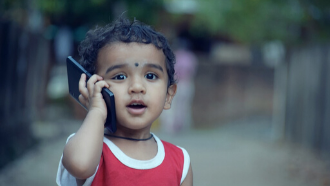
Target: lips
pixel 136 107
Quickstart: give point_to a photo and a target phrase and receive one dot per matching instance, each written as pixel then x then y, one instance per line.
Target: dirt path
pixel 219 157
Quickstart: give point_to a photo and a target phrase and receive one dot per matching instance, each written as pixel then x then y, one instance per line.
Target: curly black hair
pixel 123 30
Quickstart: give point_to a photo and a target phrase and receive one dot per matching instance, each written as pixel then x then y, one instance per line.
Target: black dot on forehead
pixel 136 64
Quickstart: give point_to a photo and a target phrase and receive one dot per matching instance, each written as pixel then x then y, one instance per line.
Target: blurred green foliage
pixel 77 12
pixel 88 12
pixel 257 21
pixel 244 21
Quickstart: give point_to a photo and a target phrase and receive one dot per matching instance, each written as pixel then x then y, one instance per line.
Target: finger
pixel 99 85
pixel 83 101
pixel 82 86
pixel 90 83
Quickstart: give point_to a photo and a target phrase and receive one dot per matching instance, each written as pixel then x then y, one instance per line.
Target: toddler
pixel 136 63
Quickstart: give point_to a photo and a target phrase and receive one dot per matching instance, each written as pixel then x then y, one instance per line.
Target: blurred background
pixel 252 107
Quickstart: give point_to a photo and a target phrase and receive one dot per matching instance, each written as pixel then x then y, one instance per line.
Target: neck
pixel 131 133
pixel 129 138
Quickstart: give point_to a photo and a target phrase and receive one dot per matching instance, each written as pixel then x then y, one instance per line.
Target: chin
pixel 135 125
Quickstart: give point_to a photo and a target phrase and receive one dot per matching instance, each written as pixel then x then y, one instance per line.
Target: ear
pixel 169 96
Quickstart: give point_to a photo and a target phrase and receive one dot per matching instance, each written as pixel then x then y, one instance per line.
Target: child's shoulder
pixel 170 145
pixel 174 148
pixel 179 155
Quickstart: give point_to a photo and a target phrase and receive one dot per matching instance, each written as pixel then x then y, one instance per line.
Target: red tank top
pixel 112 172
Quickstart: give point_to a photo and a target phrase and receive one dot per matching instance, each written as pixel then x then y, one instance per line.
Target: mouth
pixel 136 107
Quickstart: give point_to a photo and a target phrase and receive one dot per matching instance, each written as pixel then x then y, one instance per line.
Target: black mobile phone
pixel 74 70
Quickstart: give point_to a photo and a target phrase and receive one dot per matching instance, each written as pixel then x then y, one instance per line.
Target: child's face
pixel 138 78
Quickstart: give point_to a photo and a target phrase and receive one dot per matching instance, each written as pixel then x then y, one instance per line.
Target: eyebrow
pixel 114 67
pixel 155 66
pixel 123 65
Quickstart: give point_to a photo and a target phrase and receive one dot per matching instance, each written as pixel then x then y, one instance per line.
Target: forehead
pixel 131 53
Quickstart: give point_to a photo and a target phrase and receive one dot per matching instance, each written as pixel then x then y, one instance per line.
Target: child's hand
pixel 91 96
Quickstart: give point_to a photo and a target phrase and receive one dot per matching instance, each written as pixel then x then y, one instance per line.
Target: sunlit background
pixel 253 104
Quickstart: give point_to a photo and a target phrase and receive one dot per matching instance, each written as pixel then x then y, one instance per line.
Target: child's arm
pixel 188 181
pixel 82 153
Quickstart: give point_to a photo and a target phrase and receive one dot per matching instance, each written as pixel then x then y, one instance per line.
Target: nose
pixel 136 86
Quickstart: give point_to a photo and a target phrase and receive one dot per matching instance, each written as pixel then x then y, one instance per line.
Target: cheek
pixel 159 98
pixel 118 93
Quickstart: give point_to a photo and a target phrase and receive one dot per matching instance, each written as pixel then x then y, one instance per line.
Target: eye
pixel 151 76
pixel 119 77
